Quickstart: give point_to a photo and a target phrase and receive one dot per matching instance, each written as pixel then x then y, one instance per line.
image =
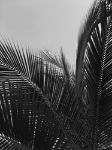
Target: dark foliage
pixel 44 105
pixel 35 97
pixel 94 75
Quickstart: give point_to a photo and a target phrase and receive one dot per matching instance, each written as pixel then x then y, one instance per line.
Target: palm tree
pixel 44 105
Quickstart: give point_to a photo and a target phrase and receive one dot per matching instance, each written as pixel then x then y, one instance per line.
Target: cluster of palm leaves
pixel 44 105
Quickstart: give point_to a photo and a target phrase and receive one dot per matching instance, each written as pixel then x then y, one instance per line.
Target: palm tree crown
pixel 44 105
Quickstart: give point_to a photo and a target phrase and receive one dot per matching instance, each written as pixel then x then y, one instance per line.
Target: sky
pixel 44 24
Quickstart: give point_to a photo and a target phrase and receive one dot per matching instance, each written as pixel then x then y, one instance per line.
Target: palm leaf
pixel 62 64
pixel 30 68
pixel 25 69
pixel 8 143
pixel 93 75
pixel 26 119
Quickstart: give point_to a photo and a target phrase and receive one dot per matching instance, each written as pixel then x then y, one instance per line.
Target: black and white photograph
pixel 55 75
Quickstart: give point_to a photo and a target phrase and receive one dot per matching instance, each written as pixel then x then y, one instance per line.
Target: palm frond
pixel 93 75
pixel 25 118
pixel 61 63
pixel 25 69
pixel 92 19
pixel 8 143
pixel 29 67
pixel 54 59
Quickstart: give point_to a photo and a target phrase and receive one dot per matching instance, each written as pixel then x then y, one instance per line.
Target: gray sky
pixel 44 24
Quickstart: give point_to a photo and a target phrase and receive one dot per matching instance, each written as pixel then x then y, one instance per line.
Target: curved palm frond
pixel 49 80
pixel 24 117
pixel 93 75
pixel 25 69
pixel 29 67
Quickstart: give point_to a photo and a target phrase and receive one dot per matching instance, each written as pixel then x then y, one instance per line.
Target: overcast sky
pixel 44 24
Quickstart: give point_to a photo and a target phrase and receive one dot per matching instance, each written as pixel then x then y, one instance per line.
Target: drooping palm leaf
pixel 26 119
pixel 48 80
